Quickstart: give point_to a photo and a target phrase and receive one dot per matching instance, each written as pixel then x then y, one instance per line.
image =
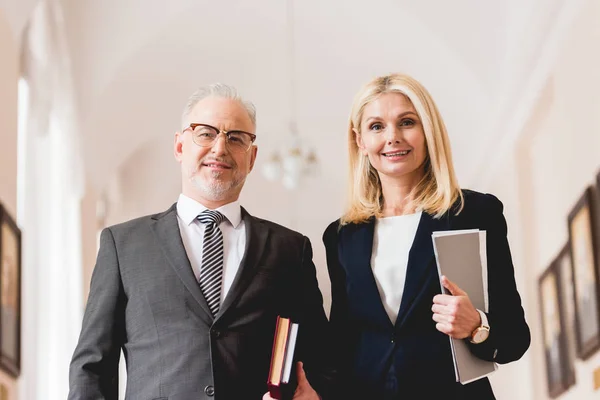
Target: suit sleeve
pixel 93 372
pixel 340 326
pixel 509 333
pixel 315 345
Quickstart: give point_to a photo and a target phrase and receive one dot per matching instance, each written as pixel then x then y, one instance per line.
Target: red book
pixel 282 357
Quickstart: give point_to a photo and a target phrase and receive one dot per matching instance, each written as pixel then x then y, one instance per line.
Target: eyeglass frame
pixel 193 126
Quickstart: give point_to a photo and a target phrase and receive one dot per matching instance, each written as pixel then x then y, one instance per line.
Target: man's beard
pixel 216 189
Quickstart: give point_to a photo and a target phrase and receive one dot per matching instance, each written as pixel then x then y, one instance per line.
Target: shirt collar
pixel 188 210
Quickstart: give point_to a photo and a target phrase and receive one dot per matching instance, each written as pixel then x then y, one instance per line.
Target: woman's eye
pixel 407 122
pixel 376 127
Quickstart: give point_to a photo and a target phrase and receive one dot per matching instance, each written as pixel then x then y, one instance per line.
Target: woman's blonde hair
pixel 437 192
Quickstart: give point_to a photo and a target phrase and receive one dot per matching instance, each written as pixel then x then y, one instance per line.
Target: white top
pixel 192 234
pixel 392 241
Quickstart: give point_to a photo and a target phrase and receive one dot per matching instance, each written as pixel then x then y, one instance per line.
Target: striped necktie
pixel 211 270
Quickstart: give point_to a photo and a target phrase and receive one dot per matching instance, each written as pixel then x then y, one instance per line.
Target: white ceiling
pixel 136 61
pixel 17 13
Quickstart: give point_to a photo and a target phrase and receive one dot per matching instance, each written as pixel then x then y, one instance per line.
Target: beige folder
pixel 461 257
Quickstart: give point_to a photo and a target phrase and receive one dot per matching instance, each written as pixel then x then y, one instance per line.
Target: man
pixel 191 295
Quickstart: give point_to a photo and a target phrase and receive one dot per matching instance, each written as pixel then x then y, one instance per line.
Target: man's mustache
pixel 224 160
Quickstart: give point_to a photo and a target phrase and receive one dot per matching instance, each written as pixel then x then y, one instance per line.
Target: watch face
pixel 481 335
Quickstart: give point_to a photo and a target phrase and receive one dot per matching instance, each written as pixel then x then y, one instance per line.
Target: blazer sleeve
pixel 314 347
pixel 94 368
pixel 339 320
pixel 509 333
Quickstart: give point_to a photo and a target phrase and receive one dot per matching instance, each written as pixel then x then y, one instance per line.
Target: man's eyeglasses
pixel 206 135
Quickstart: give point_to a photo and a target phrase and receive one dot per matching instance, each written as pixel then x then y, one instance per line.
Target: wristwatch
pixel 481 333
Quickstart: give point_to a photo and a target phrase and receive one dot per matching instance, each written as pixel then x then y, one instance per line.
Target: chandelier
pixel 292 164
pixel 294 161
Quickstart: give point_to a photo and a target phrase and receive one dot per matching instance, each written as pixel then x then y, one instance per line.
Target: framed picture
pixel 554 337
pixel 564 268
pixel 10 294
pixel 583 239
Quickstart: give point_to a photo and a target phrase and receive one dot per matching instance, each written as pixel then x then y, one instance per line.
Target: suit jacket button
pixel 209 390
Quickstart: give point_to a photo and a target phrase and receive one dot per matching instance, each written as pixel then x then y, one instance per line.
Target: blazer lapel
pixel 166 229
pixel 257 235
pixel 420 263
pixel 356 249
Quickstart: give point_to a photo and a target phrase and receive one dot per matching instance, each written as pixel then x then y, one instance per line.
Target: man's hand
pixel 455 315
pixel 304 391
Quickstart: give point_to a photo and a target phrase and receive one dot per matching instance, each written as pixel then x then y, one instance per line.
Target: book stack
pixel 282 357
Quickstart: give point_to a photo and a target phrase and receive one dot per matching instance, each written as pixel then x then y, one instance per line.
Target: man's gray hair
pixel 216 90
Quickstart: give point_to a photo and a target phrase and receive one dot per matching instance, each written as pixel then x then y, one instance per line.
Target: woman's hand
pixel 303 391
pixel 455 314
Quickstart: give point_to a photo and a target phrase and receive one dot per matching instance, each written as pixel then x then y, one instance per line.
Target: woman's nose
pixel 393 135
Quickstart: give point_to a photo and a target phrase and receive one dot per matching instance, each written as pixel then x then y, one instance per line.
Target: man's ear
pixel 178 146
pixel 254 151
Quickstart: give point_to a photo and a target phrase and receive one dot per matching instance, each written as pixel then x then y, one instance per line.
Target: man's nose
pixel 219 146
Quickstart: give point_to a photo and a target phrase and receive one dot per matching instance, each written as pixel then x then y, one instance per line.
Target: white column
pixel 51 197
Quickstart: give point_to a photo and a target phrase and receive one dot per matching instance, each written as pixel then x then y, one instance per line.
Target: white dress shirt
pixel 192 234
pixel 392 241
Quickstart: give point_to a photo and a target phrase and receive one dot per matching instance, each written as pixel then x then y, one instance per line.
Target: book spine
pixel 275 392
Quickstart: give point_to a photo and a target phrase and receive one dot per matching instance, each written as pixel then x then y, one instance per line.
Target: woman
pixel 390 320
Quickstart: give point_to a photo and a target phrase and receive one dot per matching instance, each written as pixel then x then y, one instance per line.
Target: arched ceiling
pixel 136 61
pixel 134 77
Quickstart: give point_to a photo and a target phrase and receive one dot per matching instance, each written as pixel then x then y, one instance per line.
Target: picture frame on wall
pixel 564 268
pixel 584 244
pixel 10 294
pixel 4 392
pixel 552 330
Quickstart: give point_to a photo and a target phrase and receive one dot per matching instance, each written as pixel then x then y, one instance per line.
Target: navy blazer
pixel 412 356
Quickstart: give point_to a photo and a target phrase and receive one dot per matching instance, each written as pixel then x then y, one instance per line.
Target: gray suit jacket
pixel 145 300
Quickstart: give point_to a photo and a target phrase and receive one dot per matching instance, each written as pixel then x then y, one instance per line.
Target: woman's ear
pixel 359 141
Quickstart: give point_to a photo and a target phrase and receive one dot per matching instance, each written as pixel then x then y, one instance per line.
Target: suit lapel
pixel 166 229
pixel 256 239
pixel 357 249
pixel 420 263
